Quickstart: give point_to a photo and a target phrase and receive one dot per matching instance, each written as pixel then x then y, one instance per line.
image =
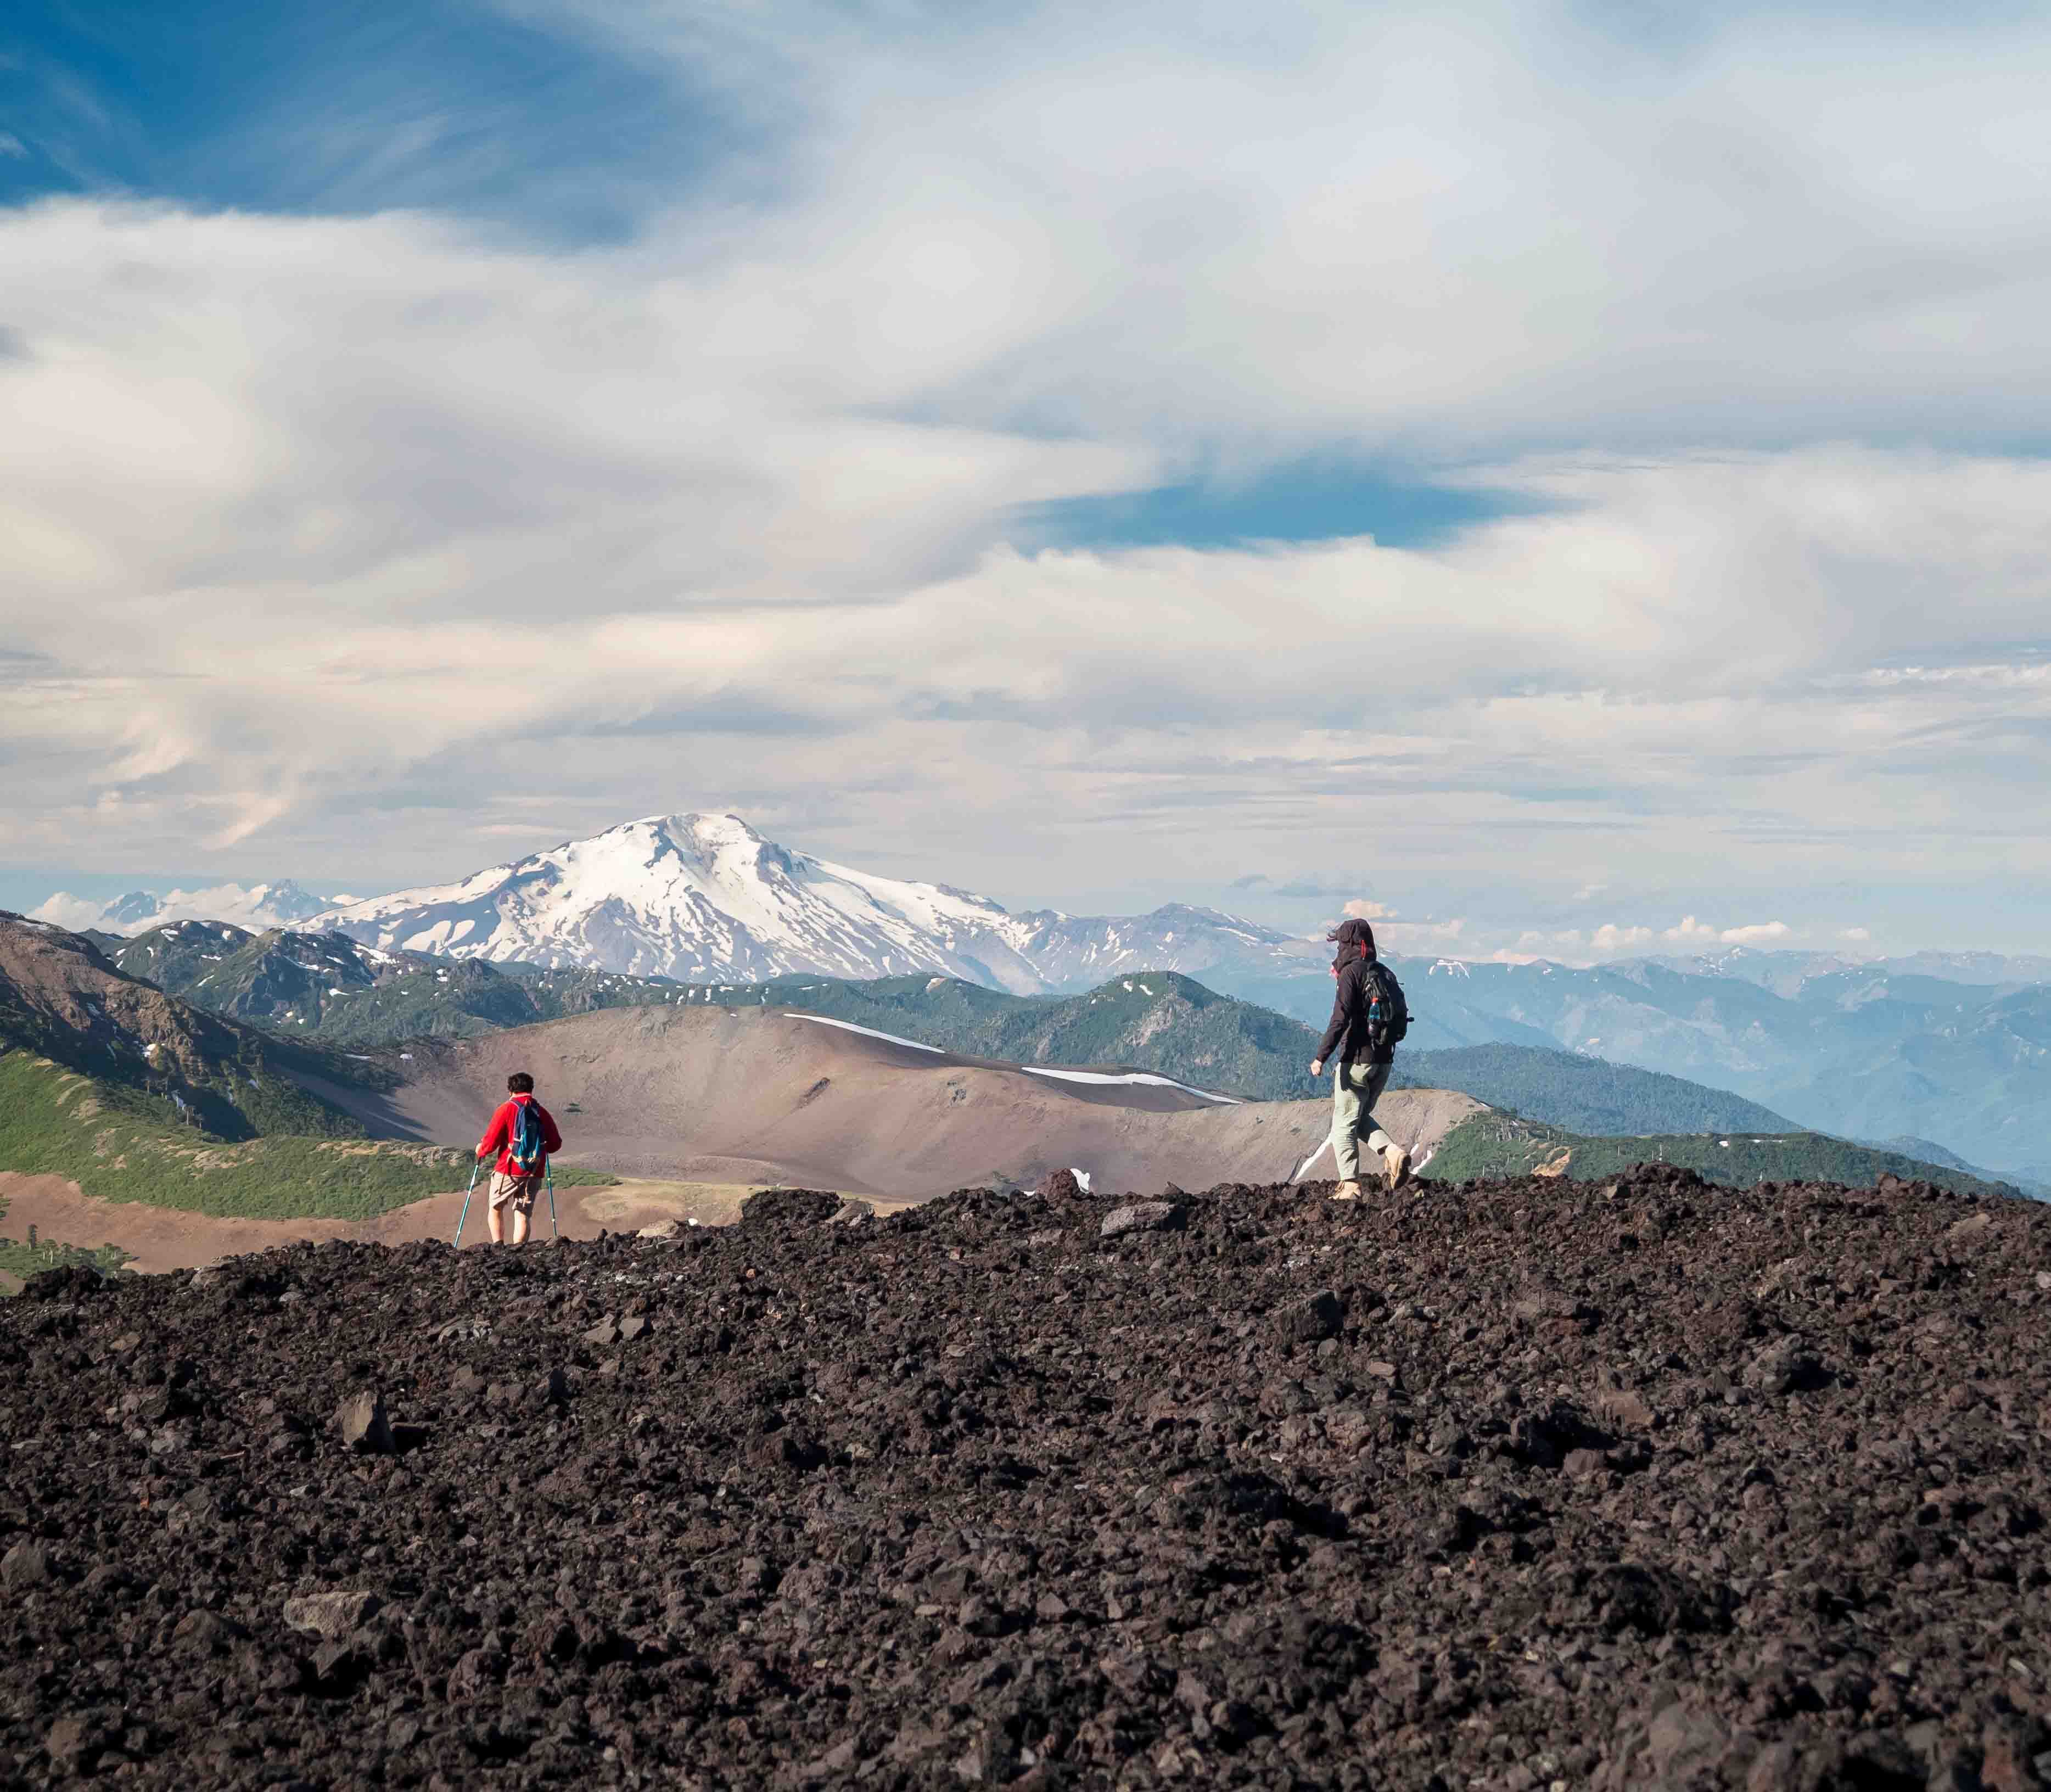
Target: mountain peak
pixel 691 824
pixel 702 897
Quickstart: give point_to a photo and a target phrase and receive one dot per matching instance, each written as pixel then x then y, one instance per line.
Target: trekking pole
pixel 552 1232
pixel 466 1194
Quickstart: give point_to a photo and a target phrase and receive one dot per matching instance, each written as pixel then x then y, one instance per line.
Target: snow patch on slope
pixel 867 1032
pixel 1129 1076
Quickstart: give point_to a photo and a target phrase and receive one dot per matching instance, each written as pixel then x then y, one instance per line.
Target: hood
pixel 1353 940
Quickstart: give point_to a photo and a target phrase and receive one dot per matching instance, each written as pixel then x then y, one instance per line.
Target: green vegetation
pixel 1157 1020
pixel 328 989
pixel 34 1255
pixel 115 1144
pixel 1491 1146
pixel 1586 1095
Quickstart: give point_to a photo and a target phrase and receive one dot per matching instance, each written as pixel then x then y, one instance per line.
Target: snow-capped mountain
pixel 1075 952
pixel 698 898
pixel 705 898
pixel 257 906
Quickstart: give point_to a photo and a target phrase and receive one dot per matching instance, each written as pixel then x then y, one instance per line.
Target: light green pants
pixel 1356 1087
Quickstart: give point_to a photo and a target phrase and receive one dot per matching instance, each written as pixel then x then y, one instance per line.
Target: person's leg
pixel 523 1209
pixel 1345 1125
pixel 1395 1159
pixel 1376 1080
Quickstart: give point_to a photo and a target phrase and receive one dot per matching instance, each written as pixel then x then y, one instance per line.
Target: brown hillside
pixel 717 1095
pixel 59 997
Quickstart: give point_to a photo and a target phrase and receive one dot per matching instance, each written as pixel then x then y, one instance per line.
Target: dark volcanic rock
pixel 1307 1322
pixel 1462 1495
pixel 776 1208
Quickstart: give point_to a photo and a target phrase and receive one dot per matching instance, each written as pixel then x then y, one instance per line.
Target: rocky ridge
pixel 58 995
pixel 1646 1484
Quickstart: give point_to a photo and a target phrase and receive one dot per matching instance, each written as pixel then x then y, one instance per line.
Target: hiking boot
pixel 1396 1161
pixel 1346 1191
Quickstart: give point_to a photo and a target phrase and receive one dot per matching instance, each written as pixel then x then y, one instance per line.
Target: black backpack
pixel 1387 1013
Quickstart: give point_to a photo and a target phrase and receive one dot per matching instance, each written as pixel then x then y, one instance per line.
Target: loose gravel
pixel 1527 1485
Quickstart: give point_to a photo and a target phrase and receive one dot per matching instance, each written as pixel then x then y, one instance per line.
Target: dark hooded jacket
pixel 1348 1034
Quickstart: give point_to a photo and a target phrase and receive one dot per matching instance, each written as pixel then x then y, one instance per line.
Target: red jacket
pixel 498 1136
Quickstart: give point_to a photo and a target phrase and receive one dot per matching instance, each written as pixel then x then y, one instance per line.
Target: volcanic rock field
pixel 1533 1484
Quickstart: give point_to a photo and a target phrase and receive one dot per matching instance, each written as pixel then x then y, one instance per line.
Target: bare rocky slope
pixel 1655 1486
pixel 764 1095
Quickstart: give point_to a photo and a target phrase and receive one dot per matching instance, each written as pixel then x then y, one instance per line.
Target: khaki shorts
pixel 515 1192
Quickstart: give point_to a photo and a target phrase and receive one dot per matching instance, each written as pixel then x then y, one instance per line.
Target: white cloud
pixel 1760 933
pixel 1619 939
pixel 383 549
pixel 65 910
pixel 1374 222
pixel 1687 932
pixel 1855 933
pixel 1362 910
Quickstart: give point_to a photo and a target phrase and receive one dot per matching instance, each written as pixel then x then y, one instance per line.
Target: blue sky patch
pixel 1302 500
pixel 348 106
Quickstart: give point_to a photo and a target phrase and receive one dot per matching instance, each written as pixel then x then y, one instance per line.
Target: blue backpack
pixel 528 1148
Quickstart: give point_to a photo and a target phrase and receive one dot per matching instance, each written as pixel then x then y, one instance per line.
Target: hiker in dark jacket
pixel 1364 1016
pixel 515 1185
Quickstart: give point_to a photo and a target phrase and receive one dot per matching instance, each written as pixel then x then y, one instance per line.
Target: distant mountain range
pixel 109 1079
pixel 282 904
pixel 1954 1048
pixel 1864 1052
pixel 703 897
pixel 327 988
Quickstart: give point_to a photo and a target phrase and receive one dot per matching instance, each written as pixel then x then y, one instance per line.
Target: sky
pixel 1564 478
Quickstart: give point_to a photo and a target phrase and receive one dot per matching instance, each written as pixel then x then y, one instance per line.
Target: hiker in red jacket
pixel 516 1176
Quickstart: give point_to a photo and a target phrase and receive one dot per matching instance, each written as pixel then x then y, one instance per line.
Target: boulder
pixel 1623 1408
pixel 26 1565
pixel 1307 1322
pixel 330 1614
pixel 361 1419
pixel 1143 1216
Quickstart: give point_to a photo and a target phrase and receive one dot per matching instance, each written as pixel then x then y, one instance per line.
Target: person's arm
pixel 496 1138
pixel 1335 1033
pixel 551 1135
